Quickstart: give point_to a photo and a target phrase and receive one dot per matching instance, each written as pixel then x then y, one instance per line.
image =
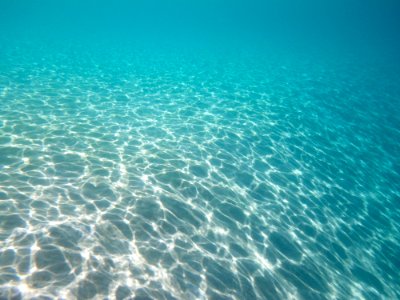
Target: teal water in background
pixel 172 150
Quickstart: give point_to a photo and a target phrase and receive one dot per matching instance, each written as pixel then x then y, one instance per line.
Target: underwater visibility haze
pixel 199 149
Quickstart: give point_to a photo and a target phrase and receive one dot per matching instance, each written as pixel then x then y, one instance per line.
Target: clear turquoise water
pixel 151 171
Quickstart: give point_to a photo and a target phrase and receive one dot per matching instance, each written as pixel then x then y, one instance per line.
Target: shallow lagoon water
pixel 156 173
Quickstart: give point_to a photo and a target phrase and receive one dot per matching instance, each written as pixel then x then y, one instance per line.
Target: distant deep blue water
pixel 198 162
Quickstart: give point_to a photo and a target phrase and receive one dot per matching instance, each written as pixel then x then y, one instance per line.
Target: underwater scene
pixel 199 149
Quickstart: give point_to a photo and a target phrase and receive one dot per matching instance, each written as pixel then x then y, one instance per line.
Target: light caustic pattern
pixel 182 178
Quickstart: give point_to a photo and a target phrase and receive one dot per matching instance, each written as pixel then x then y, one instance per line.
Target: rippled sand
pixel 145 176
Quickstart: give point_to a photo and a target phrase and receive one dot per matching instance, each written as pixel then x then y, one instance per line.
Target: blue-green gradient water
pixel 187 150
